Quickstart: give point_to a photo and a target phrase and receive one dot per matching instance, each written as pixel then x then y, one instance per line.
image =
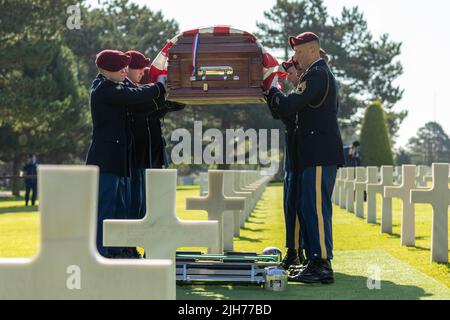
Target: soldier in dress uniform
pixel 294 244
pixel 110 98
pixel 145 136
pixel 320 151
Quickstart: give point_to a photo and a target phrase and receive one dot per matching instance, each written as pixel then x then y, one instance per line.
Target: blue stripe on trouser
pixel 292 216
pixel 316 210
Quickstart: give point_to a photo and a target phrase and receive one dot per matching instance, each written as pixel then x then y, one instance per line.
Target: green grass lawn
pixel 406 272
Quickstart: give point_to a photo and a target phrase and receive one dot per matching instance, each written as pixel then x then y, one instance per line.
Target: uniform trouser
pixel 292 216
pixel 316 185
pixel 137 196
pixel 30 187
pixel 111 205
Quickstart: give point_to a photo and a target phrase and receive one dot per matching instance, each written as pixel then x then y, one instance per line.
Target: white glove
pixel 162 79
pixel 274 83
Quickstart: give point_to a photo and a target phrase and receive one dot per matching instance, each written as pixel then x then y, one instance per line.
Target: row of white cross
pixel 351 183
pixel 229 197
pixel 68 265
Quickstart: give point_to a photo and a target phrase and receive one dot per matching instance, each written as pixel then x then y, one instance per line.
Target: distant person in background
pixel 30 169
pixel 354 158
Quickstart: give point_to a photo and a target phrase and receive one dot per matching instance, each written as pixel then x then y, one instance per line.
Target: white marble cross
pixel 229 191
pixel 349 190
pixel 420 176
pixel 358 187
pixel 341 188
pixel 203 181
pixel 429 178
pixel 68 265
pixel 439 198
pixel 335 196
pixel 364 176
pixel 160 232
pixel 244 185
pixel 248 196
pixel 398 175
pixel 403 193
pixel 373 189
pixel 220 208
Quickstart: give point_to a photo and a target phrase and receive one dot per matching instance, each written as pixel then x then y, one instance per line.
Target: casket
pixel 212 68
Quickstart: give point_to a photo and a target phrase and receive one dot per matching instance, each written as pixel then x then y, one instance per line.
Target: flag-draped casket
pixel 217 65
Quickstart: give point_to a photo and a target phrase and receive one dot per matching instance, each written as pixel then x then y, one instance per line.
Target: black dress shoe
pixel 128 253
pixel 290 259
pixel 131 253
pixel 317 271
pixel 136 254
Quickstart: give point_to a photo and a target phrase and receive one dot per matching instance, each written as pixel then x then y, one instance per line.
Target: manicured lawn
pixel 406 273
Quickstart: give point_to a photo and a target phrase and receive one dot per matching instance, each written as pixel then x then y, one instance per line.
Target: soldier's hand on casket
pixel 161 79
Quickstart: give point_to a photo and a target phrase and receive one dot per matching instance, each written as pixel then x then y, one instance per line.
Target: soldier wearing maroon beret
pixel 109 150
pixel 292 218
pixel 146 140
pixel 320 151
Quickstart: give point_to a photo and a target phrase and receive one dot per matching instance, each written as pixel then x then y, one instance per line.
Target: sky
pixel 422 27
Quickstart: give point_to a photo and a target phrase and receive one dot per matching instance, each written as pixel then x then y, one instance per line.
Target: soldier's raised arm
pixel 125 95
pixel 108 88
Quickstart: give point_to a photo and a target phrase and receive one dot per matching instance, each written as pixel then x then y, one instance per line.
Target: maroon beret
pixel 302 38
pixel 138 60
pixel 147 77
pixel 112 60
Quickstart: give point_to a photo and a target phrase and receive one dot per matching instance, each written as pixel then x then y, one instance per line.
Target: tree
pixel 43 107
pixel 375 145
pixel 365 67
pixel 121 25
pixel 431 145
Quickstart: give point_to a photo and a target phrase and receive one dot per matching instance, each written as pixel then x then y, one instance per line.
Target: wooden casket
pixel 215 69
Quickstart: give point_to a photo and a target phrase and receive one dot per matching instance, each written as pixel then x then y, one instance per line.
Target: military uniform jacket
pixel 147 143
pixel 109 104
pixel 318 140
